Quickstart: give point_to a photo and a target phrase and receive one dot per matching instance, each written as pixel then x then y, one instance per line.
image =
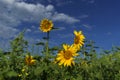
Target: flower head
pixel 29 60
pixel 46 25
pixel 79 39
pixel 67 55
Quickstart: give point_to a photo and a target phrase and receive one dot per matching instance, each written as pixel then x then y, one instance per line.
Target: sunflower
pixel 46 25
pixel 67 55
pixel 29 60
pixel 79 39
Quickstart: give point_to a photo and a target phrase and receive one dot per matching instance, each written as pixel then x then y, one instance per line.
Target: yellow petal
pixel 66 62
pixel 80 32
pixel 69 63
pixel 61 61
pixel 65 46
pixel 75 32
pixel 58 58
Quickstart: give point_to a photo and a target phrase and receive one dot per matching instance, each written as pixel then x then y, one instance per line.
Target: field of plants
pixel 77 61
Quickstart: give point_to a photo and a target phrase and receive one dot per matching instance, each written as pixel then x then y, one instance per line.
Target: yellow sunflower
pixel 46 25
pixel 67 55
pixel 29 60
pixel 79 39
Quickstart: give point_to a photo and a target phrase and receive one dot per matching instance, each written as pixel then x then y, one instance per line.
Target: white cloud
pixel 49 8
pixel 65 18
pixel 14 12
pixel 59 2
pixel 28 30
pixel 7 32
pixel 87 26
pixel 63 2
pixel 69 35
pixel 4 45
pixel 8 1
pixel 89 1
pixel 83 16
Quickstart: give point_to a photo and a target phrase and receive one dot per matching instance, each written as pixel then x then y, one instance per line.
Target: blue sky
pixel 98 19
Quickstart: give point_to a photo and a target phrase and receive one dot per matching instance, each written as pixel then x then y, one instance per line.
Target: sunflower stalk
pixel 47 45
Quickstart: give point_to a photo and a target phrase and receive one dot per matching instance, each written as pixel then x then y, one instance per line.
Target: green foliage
pixel 89 65
pixel 18 45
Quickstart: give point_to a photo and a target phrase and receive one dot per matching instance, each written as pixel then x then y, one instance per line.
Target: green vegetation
pixel 89 65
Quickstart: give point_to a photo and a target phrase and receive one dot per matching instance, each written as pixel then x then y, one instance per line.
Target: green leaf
pixel 55 28
pixel 11 74
pixel 38 71
pixel 40 43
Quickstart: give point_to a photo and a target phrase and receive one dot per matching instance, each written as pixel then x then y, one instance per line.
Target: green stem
pixel 48 36
pixel 47 45
pixel 84 55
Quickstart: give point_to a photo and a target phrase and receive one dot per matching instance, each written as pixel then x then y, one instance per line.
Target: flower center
pixel 67 54
pixel 29 59
pixel 46 25
pixel 76 39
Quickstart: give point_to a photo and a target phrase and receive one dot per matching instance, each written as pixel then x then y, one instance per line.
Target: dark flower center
pixel 67 54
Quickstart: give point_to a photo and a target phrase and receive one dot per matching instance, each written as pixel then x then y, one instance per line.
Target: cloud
pixel 83 16
pixel 87 26
pixel 62 2
pixel 89 1
pixel 28 30
pixel 7 32
pixel 59 2
pixel 14 12
pixel 65 35
pixel 4 44
pixel 65 18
